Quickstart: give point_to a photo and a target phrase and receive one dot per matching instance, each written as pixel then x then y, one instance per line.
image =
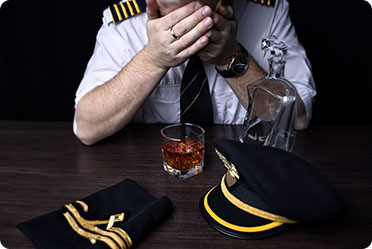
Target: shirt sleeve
pixel 108 58
pixel 298 68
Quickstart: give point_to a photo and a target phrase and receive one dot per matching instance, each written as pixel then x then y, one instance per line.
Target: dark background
pixel 45 47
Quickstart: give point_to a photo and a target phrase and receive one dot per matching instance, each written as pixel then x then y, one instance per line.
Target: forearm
pixel 239 83
pixel 255 72
pixel 109 107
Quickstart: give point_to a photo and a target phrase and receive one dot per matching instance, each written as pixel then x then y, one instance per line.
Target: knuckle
pixel 200 28
pixel 174 16
pixel 228 28
pixel 169 54
pixel 185 41
pixel 216 19
pixel 157 28
pixel 163 42
pixel 181 29
pixel 195 18
pixel 189 52
pixel 209 34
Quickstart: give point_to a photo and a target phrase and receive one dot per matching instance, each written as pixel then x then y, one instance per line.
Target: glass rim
pixel 181 124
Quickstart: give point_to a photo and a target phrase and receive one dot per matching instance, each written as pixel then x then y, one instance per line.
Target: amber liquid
pixel 184 154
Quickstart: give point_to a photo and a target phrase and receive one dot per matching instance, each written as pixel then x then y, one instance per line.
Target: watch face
pixel 240 64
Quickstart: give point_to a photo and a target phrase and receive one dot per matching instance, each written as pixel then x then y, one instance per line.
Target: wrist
pixel 228 60
pixel 152 59
pixel 237 64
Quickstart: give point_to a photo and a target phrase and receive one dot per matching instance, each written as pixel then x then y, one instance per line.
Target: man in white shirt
pixel 136 70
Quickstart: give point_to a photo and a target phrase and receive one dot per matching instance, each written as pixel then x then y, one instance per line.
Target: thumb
pixel 152 9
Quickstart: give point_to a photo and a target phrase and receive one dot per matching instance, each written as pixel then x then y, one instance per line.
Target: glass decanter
pixel 272 108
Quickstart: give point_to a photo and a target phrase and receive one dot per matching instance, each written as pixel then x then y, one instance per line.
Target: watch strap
pixel 229 73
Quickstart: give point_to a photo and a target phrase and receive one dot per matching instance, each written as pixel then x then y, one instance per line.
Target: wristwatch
pixel 238 64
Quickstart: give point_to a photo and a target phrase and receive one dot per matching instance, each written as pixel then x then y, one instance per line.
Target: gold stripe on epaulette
pixel 112 15
pixel 124 10
pixel 136 6
pixel 118 12
pixel 265 2
pixel 130 7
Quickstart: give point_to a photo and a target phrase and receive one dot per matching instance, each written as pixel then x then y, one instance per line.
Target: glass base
pixel 184 174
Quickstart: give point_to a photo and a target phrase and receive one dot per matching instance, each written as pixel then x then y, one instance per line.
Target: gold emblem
pixel 114 237
pixel 232 174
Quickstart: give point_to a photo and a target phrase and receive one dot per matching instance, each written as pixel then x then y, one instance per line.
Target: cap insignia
pixel 232 174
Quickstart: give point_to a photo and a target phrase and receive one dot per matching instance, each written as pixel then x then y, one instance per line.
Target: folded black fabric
pixel 85 224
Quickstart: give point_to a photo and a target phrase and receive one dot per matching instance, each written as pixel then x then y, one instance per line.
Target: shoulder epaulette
pixel 265 2
pixel 126 9
pixel 129 8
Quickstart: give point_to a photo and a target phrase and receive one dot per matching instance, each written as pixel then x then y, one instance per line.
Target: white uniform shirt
pixel 117 43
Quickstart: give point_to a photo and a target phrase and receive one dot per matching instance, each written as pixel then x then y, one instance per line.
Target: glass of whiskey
pixel 183 149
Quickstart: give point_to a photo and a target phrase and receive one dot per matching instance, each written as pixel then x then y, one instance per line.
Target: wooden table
pixel 43 166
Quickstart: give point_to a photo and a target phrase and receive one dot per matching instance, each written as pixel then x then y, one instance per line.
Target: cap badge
pixel 232 175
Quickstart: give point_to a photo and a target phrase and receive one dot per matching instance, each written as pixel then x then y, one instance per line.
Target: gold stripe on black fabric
pixel 252 210
pixel 124 10
pixel 113 14
pixel 130 7
pixel 136 6
pixel 113 219
pixel 123 234
pixel 118 240
pixel 119 218
pixel 118 12
pixel 234 227
pixel 196 97
pixel 188 85
pixel 83 205
pixel 91 236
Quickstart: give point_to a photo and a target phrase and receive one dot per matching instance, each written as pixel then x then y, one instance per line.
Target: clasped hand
pixel 188 30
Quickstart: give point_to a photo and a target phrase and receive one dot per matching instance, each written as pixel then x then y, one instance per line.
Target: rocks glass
pixel 183 149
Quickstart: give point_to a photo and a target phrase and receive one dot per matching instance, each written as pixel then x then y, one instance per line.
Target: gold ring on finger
pixel 173 33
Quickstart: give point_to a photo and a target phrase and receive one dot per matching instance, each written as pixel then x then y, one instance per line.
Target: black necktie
pixel 196 105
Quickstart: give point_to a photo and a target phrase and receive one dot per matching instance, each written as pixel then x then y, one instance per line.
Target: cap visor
pixel 232 221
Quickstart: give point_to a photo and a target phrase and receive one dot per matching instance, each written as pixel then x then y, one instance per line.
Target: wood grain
pixel 43 166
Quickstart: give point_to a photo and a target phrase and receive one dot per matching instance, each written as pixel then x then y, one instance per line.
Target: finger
pixel 187 24
pixel 152 9
pixel 193 35
pixel 194 48
pixel 179 14
pixel 221 23
pixel 226 11
pixel 214 36
pixel 211 50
